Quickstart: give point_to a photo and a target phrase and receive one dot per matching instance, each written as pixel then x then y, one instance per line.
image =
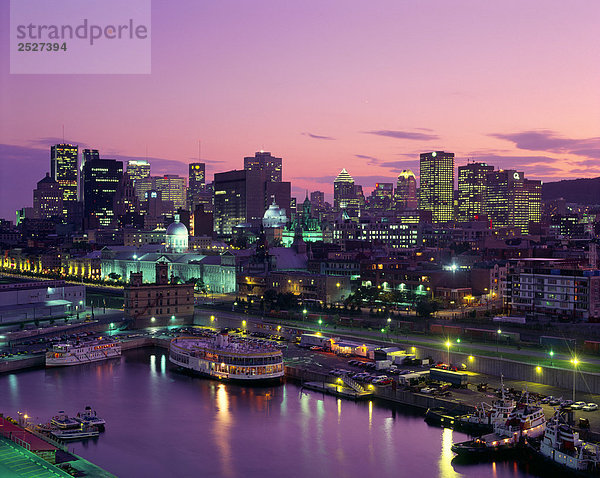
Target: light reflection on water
pixel 163 423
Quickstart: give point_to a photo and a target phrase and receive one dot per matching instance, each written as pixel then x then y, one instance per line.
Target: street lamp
pixel 574 362
pixel 448 344
pixel 320 322
pixel 304 311
pixel 551 353
pixel 497 338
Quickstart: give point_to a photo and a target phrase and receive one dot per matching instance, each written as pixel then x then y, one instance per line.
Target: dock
pixel 337 390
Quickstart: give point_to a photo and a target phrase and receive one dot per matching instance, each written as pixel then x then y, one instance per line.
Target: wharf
pixel 337 390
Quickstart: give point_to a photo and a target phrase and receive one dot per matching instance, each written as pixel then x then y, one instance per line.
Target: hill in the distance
pixel 580 191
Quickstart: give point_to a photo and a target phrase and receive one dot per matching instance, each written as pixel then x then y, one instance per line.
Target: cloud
pixel 403 135
pixel 48 141
pixel 318 136
pixel 551 141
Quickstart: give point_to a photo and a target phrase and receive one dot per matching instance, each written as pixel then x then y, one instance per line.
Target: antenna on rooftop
pixel 63 128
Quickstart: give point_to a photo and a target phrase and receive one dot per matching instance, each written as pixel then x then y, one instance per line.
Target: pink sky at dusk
pixel 325 85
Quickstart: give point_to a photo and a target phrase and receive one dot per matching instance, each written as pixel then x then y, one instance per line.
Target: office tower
pixel 126 203
pixel 47 199
pixel 317 199
pixel 472 185
pixel 382 196
pixel 86 155
pixel 171 186
pixel 238 199
pixel 405 196
pixel 269 165
pixel 102 178
pixel 63 169
pixel 533 189
pixel 347 196
pixel 436 187
pixel 138 169
pixel 507 199
pixel 196 184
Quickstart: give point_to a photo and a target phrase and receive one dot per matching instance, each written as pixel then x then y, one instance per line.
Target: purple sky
pixel 326 85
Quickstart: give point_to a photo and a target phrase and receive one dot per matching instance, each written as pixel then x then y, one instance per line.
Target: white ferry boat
pixel 562 446
pixel 89 417
pixel 525 421
pixel 82 352
pixel 227 358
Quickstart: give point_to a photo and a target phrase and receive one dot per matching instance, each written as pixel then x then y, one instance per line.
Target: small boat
pixel 90 418
pixel 78 353
pixel 81 433
pixel 63 421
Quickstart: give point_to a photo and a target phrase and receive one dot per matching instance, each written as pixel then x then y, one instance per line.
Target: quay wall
pixel 21 363
pixel 402 397
pixel 556 377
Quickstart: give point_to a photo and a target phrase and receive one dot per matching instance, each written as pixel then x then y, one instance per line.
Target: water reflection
pixel 13 385
pixel 445 463
pixel 222 429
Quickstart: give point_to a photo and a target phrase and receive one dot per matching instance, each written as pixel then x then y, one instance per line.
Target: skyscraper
pixel 63 169
pixel 238 199
pixel 265 162
pixel 507 199
pixel 405 197
pixel 86 155
pixel 138 169
pixel 436 187
pixel 347 196
pixel 47 199
pixel 382 197
pixel 102 179
pixel 171 186
pixel 196 184
pixel 472 185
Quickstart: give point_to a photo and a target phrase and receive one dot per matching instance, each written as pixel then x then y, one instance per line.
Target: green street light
pixel 551 353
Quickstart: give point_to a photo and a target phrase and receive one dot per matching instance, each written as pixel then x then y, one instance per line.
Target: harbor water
pixel 164 423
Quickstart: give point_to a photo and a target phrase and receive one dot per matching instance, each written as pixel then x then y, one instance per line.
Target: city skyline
pixel 501 88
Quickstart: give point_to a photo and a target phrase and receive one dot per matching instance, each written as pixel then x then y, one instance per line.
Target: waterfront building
pixel 436 185
pixel 64 170
pixel 405 197
pixel 472 190
pixel 101 181
pixel 38 300
pixel 546 289
pixel 216 271
pixel 268 165
pixel 166 302
pixel 47 199
pixel 138 169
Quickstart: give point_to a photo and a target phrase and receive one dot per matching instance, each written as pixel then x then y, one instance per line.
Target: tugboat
pixel 483 419
pixel 525 421
pixel 90 418
pixel 561 446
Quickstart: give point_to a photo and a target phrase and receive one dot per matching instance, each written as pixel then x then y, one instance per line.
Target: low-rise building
pixel 165 302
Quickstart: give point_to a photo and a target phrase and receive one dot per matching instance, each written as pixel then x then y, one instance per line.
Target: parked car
pixel 578 405
pixel 590 407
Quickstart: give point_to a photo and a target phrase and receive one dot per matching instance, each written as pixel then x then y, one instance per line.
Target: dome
pixel 177 236
pixel 274 216
pixel 177 229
